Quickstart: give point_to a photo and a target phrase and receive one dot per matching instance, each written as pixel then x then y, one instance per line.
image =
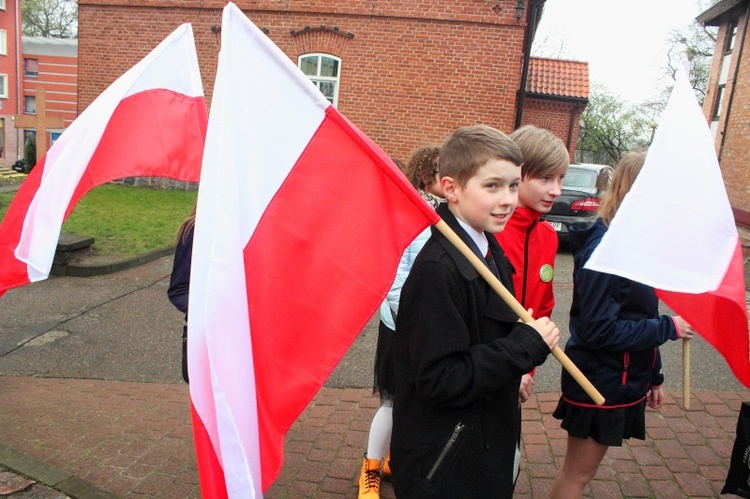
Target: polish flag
pixel 151 122
pixel 300 224
pixel 675 232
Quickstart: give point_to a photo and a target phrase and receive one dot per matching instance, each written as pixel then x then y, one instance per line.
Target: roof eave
pixel 562 98
pixel 713 15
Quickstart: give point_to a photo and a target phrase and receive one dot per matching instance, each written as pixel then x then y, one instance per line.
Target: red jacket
pixel 526 234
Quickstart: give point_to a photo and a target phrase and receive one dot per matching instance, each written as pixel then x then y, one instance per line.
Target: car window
pixel 579 178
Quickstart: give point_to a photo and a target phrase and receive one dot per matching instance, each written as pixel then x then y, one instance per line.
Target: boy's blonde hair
pixel 622 180
pixel 471 147
pixel 544 154
pixel 422 167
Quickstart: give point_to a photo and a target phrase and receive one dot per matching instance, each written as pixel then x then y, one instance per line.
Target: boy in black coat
pixel 460 350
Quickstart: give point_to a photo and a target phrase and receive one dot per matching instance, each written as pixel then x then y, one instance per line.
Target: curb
pixel 108 268
pixel 50 476
pixel 74 270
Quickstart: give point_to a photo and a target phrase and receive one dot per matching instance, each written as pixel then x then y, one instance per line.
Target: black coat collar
pixel 495 308
pixel 463 264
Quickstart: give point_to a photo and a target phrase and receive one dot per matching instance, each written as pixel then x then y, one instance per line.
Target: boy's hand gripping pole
pixel 517 308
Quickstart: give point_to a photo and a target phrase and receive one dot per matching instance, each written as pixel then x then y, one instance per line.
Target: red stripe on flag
pixel 319 264
pixel 155 147
pixel 158 149
pixel 13 271
pixel 720 316
pixel 211 474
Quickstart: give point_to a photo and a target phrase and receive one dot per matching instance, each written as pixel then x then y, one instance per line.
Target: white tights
pixel 380 432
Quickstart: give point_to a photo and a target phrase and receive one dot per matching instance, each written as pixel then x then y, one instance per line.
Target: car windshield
pixel 579 178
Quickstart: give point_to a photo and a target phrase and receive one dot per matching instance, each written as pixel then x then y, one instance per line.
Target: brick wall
pixel 412 73
pixel 59 77
pixel 734 124
pixel 555 116
pixel 735 155
pixel 9 22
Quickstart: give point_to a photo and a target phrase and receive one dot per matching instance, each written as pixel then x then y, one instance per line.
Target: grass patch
pixel 126 221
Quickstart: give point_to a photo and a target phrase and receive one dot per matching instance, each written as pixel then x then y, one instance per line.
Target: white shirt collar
pixel 479 238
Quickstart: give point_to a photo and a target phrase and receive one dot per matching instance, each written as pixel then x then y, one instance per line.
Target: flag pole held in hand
pixel 524 315
pixel 686 373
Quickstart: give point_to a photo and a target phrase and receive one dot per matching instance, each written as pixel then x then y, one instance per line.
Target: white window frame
pixel 3 42
pixel 26 64
pixel 26 100
pixel 317 79
pixel 4 86
pixel 2 5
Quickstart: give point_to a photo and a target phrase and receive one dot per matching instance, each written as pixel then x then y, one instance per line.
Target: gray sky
pixel 624 42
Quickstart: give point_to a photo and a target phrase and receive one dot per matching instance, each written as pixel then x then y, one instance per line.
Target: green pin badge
pixel 546 273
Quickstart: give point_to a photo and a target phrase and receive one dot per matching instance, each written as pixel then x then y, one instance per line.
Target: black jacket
pixel 615 330
pixel 460 354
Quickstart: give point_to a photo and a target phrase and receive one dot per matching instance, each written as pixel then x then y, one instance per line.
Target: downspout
pixel 531 17
pixel 571 125
pixel 734 83
pixel 19 90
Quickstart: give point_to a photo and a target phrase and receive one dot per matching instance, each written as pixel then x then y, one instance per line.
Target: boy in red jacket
pixel 529 242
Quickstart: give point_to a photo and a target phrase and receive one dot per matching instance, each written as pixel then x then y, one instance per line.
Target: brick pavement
pixel 134 440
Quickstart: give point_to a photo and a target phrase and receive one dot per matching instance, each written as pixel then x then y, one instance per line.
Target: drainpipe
pixel 531 17
pixel 19 90
pixel 734 82
pixel 572 124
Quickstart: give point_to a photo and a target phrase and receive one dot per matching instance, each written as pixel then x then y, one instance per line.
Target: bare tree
pixel 695 44
pixel 611 127
pixel 552 43
pixel 50 18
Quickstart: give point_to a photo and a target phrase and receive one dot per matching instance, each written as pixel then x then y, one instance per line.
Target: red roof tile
pixel 558 77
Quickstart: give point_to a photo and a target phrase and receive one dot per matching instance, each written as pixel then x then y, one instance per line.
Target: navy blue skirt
pixel 606 426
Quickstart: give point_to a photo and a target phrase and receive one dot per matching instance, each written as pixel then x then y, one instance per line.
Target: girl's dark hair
pixel 422 167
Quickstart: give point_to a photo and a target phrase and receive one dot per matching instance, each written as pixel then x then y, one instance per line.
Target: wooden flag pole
pixel 508 297
pixel 686 374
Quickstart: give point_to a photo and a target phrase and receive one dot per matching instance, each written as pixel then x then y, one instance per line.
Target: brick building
pixel 406 72
pixel 556 94
pixel 726 104
pixel 10 80
pixel 51 63
pixel 26 62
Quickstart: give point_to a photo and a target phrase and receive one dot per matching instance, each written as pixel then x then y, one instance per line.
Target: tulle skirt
pixel 384 378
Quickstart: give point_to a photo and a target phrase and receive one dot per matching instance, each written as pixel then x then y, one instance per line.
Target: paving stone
pixel 78 428
pixel 11 482
pixel 694 484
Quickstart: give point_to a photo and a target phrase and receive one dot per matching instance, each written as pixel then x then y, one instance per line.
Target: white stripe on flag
pixel 244 165
pixel 675 229
pixel 173 65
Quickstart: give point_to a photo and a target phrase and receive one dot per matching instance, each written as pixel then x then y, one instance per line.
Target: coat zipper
pixel 626 364
pixel 459 427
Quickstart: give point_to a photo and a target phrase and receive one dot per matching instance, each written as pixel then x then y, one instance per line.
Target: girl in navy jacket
pixel 615 334
pixel 179 282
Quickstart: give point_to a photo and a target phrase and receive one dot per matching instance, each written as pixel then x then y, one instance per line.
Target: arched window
pixel 325 71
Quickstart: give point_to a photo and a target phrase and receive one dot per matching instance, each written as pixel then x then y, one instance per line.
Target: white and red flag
pixel 150 122
pixel 300 224
pixel 675 232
